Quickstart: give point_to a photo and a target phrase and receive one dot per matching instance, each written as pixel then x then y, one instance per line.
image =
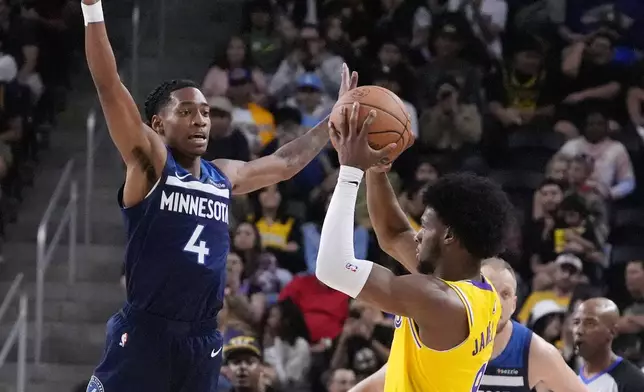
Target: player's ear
pixel 157 124
pixel 448 238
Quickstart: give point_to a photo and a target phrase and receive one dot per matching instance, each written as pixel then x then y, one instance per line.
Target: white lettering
pixel 188 204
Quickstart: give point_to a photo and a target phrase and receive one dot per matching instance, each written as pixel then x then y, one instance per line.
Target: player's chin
pixel 195 150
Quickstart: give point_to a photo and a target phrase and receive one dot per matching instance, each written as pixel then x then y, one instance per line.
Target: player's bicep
pixel 247 177
pixel 548 368
pixel 132 137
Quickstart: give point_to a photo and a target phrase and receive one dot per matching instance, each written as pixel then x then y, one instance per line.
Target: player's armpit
pixel 393 231
pixel 131 136
pixel 548 368
pixel 283 164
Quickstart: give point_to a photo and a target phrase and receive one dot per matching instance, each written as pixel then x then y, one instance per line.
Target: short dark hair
pixel 475 208
pixel 574 203
pixel 551 181
pixel 161 96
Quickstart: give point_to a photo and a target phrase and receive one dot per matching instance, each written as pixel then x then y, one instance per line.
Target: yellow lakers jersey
pixel 413 367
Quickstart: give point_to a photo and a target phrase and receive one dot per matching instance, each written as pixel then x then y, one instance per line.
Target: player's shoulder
pixel 215 173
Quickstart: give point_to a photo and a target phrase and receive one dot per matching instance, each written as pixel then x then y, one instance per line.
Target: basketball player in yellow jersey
pixel 447 314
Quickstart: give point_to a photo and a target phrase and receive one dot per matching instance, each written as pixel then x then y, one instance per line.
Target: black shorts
pixel 149 353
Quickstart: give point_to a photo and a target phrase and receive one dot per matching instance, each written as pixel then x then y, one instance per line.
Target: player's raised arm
pixel 549 370
pixel 289 159
pixel 395 234
pixel 139 146
pixel 337 266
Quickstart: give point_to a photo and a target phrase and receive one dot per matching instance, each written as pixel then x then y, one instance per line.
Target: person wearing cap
pixel 257 123
pixel 310 99
pixel 226 141
pixel 567 275
pixel 245 368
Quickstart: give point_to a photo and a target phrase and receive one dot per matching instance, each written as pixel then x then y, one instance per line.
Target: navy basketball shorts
pixel 149 353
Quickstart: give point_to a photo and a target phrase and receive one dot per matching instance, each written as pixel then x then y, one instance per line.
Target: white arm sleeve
pixel 336 265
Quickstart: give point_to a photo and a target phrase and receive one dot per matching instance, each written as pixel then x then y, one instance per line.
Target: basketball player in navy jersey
pixel 521 361
pixel 176 209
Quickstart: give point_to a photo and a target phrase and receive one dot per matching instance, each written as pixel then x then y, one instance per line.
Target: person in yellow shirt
pixel 567 274
pixel 447 313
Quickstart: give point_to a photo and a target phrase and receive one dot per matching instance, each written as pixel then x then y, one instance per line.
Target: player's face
pixel 506 287
pixel 245 369
pixel 185 123
pixel 429 240
pixel 589 332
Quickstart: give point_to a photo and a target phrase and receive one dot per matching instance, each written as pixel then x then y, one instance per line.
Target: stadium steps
pixel 75 315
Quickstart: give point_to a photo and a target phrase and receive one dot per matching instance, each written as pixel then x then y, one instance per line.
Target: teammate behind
pixel 521 360
pixel 447 318
pixel 594 328
pixel 175 206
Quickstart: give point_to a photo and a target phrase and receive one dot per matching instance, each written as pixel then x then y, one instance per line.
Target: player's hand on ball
pixel 89 2
pixel 349 80
pixel 350 139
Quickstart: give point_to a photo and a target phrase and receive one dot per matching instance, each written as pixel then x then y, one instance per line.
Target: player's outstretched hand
pixel 349 80
pixel 351 141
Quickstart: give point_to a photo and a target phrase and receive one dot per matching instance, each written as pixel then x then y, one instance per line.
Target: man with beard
pixel 447 315
pixel 521 360
pixel 594 328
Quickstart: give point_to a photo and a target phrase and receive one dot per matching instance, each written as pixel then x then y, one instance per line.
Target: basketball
pixel 392 123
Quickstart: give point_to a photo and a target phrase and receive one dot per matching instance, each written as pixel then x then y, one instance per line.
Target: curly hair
pixel 162 95
pixel 475 208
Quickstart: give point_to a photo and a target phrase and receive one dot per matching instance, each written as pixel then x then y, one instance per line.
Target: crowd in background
pixel 545 97
pixel 35 52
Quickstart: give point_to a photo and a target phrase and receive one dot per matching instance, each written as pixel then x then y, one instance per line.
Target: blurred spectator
pixel 238 312
pixel 279 232
pixel 411 202
pixel 448 59
pixel 396 21
pixel 311 56
pixel 243 366
pixel 311 100
pixel 593 81
pixel 631 324
pixel 248 243
pixel 523 92
pixel 390 61
pixel 338 41
pixel 546 320
pixel 487 18
pixel 426 171
pixel 325 310
pixel 389 80
pixel 364 343
pixel 265 45
pixel 567 270
pixel 236 56
pixel 256 122
pixel 450 126
pixel 613 172
pixel 286 348
pixel 341 380
pixel 226 142
pixel 635 100
pixel 269 279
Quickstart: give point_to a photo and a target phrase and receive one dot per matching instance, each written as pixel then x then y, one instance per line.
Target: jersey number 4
pixel 194 245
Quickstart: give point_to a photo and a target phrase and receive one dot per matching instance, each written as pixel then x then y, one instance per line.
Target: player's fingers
pixel 345 75
pixel 383 153
pixel 354 80
pixel 343 127
pixel 334 134
pixel 353 119
pixel 364 130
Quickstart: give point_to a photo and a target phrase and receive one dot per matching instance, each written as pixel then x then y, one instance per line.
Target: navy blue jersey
pixel 178 240
pixel 508 372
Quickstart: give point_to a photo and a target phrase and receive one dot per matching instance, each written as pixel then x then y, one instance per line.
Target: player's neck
pixel 599 362
pixel 455 272
pixel 502 338
pixel 191 164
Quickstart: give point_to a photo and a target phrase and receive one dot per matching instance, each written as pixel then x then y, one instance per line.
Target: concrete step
pixel 49 372
pixel 82 292
pixel 70 311
pixel 64 343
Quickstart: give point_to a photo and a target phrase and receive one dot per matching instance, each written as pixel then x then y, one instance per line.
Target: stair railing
pixel 18 331
pixel 45 252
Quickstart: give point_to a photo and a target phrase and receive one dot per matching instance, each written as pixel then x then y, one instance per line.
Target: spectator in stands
pixel 236 56
pixel 568 268
pixel 240 312
pixel 593 81
pixel 226 141
pixel 265 45
pixel 411 202
pixel 243 362
pixel 311 56
pixel 539 250
pixel 546 320
pixel 613 172
pixel 451 126
pixel 487 18
pixel 341 380
pixel 364 343
pixel 579 171
pixel 247 242
pixel 448 45
pixel 390 60
pixel 255 121
pixel 388 79
pixel 280 233
pixel 523 92
pixel 635 101
pixel 631 325
pixel 337 40
pixel 286 345
pixel 426 171
pixel 311 100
